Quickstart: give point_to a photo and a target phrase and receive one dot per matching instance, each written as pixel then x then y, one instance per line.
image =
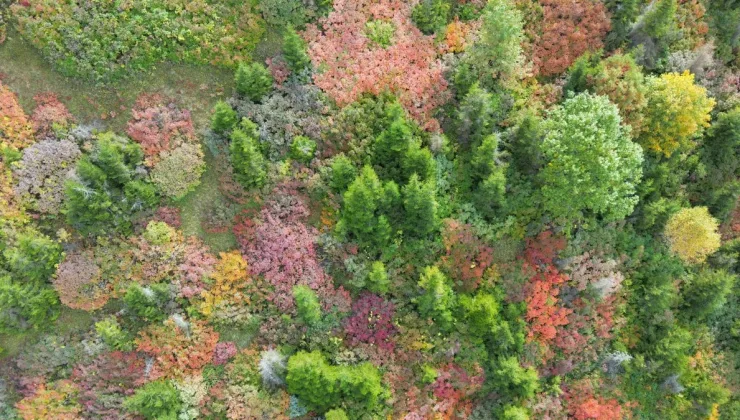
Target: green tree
pixel 512 380
pixel 28 255
pixel 437 300
pixel 592 164
pixel 224 118
pixel 660 21
pixel 294 51
pixel 336 414
pixel 25 305
pixel 497 53
pixel 721 149
pixel 343 172
pixel 246 158
pixel 705 292
pixel 158 400
pixel 108 189
pixel 512 412
pixel 307 305
pixel 624 13
pixel 377 278
pixel 253 81
pixel 112 335
pixel 148 302
pixel 477 115
pixel 431 15
pixel 362 212
pixel 420 207
pixel 397 153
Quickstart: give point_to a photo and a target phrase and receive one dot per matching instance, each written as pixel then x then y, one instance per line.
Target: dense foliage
pixel 369 209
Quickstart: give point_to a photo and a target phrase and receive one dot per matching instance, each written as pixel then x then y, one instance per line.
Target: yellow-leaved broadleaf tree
pixel 692 234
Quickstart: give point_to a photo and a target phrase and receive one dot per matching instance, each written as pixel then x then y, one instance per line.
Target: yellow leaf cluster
pixel 230 278
pixel 692 234
pixel 677 110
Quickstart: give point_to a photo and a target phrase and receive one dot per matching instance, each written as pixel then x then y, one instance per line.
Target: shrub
pixel 112 335
pixel 155 400
pixel 371 322
pixel 102 41
pixel 410 66
pixel 15 128
pixel 42 173
pixel 253 81
pixel 302 149
pixel 272 369
pixel 49 115
pixel 569 28
pixel 692 234
pixel 159 128
pixel 336 414
pixel 284 12
pixel 107 380
pixel 78 282
pixel 178 172
pixel 307 305
pixel 57 400
pixel 466 256
pixel 601 178
pixel 676 111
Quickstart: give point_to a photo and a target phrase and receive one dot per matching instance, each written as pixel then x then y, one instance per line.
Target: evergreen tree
pixel 224 118
pixel 431 15
pixel 253 81
pixel 477 115
pixel 343 172
pixel 307 305
pixel 705 292
pixel 624 13
pixel 294 51
pixel 377 278
pixel 158 400
pixel 512 380
pixel 420 207
pixel 25 305
pixel 437 299
pixel 362 215
pixel 148 302
pixel 246 158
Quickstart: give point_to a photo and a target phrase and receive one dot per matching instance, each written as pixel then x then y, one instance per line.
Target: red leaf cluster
pixel 352 65
pixel 452 386
pixel 466 257
pixel 371 322
pixel 569 28
pixel 49 111
pixel 584 405
pixel 159 127
pixel 223 352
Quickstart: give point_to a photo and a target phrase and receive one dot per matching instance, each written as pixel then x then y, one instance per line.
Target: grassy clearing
pixel 69 321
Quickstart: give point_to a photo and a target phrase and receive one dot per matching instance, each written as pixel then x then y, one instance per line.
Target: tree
pixel 253 81
pixel 336 414
pixel 420 207
pixel 692 234
pixel 706 292
pixel 512 380
pixel 362 215
pixel 343 172
pixel 78 282
pixel 676 111
pixel 108 189
pixel 497 53
pixel 437 299
pixel 224 118
pixel 29 255
pixel 246 158
pixel 430 15
pixel 307 305
pixel 620 79
pixel 377 278
pixel 397 153
pixel 660 21
pixel 302 149
pixel 721 149
pixel 592 165
pixel 148 302
pixel 624 13
pixel 477 115
pixel 158 400
pixel 294 51
pixel 321 386
pixel 24 305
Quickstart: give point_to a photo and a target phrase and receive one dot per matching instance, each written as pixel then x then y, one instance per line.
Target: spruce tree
pixel 420 207
pixel 307 305
pixel 294 51
pixel 246 159
pixel 253 81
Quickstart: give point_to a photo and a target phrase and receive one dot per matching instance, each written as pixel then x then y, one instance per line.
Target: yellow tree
pixel 676 111
pixel 229 280
pixel 692 234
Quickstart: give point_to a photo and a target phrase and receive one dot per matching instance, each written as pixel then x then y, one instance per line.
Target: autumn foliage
pixel 350 64
pixel 16 131
pixel 569 28
pixel 159 127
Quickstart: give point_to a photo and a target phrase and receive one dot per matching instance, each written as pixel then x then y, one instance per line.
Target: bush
pixel 159 128
pixel 78 282
pixel 42 173
pixel 179 171
pixel 158 400
pixel 253 81
pixel 302 149
pixel 103 41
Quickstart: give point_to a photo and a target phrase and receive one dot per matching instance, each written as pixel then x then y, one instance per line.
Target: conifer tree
pixel 294 51
pixel 246 157
pixel 224 118
pixel 437 299
pixel 420 207
pixel 253 81
pixel 307 305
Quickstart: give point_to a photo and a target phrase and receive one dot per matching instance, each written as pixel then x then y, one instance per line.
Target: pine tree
pixel 477 115
pixel 437 299
pixel 362 217
pixel 294 51
pixel 377 278
pixel 420 207
pixel 246 158
pixel 705 292
pixel 253 81
pixel 343 172
pixel 307 305
pixel 224 118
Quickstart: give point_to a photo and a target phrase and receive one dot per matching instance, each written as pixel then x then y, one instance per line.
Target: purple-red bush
pixel 371 322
